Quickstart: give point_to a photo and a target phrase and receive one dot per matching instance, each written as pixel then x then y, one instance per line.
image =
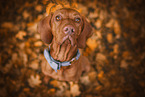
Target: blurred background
pixel 116 50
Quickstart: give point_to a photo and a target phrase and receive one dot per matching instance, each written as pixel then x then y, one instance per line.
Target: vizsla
pixel 66 31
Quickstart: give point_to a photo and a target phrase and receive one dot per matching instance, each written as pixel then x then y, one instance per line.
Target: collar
pixel 56 65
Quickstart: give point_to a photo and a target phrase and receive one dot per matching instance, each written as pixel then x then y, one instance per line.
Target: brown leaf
pixel 54 83
pixel 117 28
pixel 74 89
pixel 85 80
pixel 92 44
pixel 34 81
pixel 92 76
pixel 98 23
pixel 110 38
pixel 26 14
pixel 123 64
pixel 38 44
pixel 110 23
pixel 20 35
pixel 34 64
pixel 115 49
pixel 100 57
pixel 8 25
pixel 38 8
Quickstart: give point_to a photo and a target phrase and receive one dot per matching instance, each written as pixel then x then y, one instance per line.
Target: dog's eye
pixel 58 18
pixel 77 20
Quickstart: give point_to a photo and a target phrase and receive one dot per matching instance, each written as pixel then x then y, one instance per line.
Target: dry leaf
pixel 98 33
pixel 14 57
pixel 20 35
pixel 54 83
pixel 117 28
pixel 92 44
pixel 85 80
pixel 100 57
pixel 123 64
pixel 22 45
pixel 110 23
pixel 34 64
pixel 37 36
pixel 38 44
pixel 100 75
pixel 38 8
pixel 7 67
pixel 110 38
pixel 98 23
pixel 51 91
pixel 26 14
pixel 32 27
pixel 8 25
pixel 93 15
pixel 92 76
pixel 115 49
pixel 34 81
pixel 74 89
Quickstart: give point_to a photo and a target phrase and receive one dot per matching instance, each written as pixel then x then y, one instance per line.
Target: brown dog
pixel 66 31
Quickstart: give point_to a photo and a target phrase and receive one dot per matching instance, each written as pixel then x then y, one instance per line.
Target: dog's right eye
pixel 58 18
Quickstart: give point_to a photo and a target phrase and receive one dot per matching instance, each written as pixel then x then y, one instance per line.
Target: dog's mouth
pixel 68 39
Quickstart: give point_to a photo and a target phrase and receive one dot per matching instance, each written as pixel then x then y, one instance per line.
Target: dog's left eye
pixel 58 18
pixel 77 20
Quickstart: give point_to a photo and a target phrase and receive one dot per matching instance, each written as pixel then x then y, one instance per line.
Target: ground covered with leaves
pixel 116 50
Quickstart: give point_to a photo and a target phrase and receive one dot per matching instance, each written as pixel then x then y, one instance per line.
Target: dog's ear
pixel 44 28
pixel 85 34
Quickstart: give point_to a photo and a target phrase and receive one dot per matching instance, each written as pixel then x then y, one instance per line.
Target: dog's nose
pixel 69 29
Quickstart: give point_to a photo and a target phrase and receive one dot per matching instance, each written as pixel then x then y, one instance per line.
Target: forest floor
pixel 116 50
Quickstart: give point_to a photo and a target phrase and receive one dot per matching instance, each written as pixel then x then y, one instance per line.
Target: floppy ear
pixel 85 34
pixel 44 28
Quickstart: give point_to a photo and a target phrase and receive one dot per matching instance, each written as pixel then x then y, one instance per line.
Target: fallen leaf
pixel 37 36
pixel 20 35
pixel 110 38
pixel 51 91
pixel 54 83
pixel 98 33
pixel 93 15
pixel 85 80
pixel 117 28
pixel 26 89
pixel 110 23
pixel 32 27
pixel 14 57
pixel 92 76
pixel 92 44
pixel 38 8
pixel 38 44
pixel 115 48
pixel 8 25
pixel 34 64
pixel 7 67
pixel 100 57
pixel 123 64
pixel 25 14
pixel 74 89
pixel 100 75
pixel 34 81
pixel 98 23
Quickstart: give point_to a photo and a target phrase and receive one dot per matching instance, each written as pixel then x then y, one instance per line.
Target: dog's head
pixel 65 24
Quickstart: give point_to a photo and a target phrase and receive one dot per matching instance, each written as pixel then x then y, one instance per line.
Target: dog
pixel 65 31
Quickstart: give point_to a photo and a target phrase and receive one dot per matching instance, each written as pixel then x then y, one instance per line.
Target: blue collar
pixel 56 65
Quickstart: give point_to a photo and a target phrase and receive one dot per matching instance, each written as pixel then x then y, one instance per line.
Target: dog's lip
pixel 69 38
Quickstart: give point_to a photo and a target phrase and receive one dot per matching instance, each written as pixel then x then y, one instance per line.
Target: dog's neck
pixel 63 52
